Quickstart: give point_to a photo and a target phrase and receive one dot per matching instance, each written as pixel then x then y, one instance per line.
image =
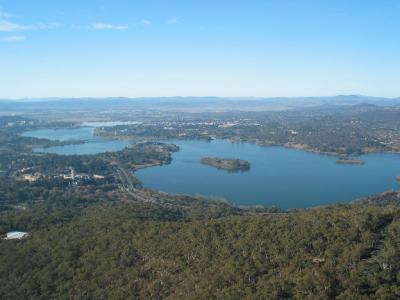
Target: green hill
pixel 133 250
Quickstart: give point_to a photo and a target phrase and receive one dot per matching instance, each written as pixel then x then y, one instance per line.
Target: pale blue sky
pixel 206 47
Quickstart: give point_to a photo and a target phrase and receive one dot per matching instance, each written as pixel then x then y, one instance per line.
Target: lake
pixel 283 177
pixel 92 145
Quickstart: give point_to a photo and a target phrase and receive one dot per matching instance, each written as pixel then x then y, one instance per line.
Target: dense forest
pixel 143 250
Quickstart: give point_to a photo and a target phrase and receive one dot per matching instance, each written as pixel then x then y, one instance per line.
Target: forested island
pixel 227 164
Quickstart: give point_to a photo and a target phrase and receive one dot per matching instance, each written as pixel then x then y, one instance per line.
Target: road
pixel 128 185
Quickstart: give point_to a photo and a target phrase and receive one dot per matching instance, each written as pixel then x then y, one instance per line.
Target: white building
pixel 16 235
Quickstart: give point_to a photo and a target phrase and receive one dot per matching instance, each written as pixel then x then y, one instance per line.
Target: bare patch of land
pixel 350 161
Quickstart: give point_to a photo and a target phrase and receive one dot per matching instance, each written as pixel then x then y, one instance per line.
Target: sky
pixel 233 48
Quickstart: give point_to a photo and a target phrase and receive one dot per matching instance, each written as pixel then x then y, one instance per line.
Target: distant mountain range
pixel 194 103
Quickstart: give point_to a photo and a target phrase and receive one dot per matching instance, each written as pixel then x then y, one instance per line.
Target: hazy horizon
pixel 55 98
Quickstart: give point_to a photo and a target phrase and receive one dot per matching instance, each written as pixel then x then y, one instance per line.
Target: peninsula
pixel 227 164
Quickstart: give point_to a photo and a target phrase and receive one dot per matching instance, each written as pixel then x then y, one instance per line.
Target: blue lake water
pixel 92 145
pixel 278 176
pixel 283 177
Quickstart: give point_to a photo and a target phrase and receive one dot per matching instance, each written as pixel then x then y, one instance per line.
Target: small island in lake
pixel 398 178
pixel 227 164
pixel 350 161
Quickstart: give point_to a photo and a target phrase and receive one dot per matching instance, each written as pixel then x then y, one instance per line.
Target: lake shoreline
pixel 267 188
pixel 302 147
